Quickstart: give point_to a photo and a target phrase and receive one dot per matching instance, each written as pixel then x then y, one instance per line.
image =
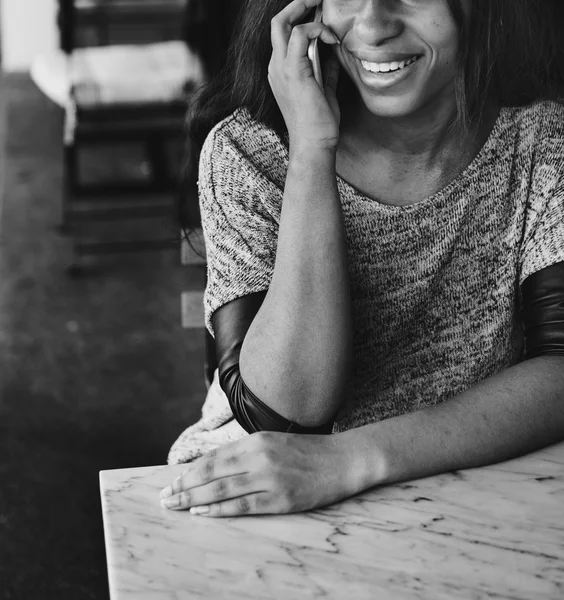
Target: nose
pixel 378 21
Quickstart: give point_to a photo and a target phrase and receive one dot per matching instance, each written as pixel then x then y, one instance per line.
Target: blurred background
pixel 102 345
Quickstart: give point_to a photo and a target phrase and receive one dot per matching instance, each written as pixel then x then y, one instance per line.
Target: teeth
pixel 387 67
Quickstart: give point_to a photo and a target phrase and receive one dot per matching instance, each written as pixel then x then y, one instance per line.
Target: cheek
pixel 339 15
pixel 443 38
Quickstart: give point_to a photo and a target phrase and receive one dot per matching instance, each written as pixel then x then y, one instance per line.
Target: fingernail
pixel 166 492
pixel 170 502
pixel 200 510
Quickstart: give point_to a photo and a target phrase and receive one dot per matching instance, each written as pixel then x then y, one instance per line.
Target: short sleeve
pixel 240 211
pixel 543 241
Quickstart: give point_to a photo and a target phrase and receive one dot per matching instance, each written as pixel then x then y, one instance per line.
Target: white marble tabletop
pixel 494 532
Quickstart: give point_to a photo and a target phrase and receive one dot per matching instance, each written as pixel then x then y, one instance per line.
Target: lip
pixel 381 57
pixel 385 79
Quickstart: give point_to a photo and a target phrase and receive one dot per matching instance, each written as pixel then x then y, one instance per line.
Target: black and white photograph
pixel 281 299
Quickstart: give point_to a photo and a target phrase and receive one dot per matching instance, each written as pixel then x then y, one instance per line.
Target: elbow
pixel 255 415
pixel 306 388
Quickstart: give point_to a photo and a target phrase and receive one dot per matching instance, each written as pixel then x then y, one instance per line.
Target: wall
pixel 28 28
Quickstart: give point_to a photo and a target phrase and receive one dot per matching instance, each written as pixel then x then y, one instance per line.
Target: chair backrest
pixel 102 22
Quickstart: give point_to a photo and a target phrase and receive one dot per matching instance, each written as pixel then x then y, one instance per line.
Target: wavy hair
pixel 510 53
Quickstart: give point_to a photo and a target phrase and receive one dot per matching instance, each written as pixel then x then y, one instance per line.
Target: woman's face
pixel 401 54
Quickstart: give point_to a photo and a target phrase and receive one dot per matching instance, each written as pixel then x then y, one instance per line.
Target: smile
pixel 387 67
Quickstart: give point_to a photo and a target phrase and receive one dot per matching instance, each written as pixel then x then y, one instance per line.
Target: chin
pixel 392 107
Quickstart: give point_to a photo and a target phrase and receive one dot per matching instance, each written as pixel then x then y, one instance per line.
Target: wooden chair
pixel 144 102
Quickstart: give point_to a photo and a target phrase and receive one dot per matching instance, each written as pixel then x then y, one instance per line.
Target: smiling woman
pixel 377 38
pixel 385 254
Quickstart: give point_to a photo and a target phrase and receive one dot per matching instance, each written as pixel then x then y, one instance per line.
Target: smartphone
pixel 313 50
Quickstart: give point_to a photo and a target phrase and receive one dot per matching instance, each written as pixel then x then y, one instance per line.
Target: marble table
pixel 494 532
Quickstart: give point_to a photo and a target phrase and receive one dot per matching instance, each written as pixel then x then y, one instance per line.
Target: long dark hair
pixel 511 54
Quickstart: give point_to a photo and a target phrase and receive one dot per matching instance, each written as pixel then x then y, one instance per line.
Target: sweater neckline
pixel 451 187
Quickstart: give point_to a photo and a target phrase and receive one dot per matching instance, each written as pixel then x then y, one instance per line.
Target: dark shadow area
pixel 95 373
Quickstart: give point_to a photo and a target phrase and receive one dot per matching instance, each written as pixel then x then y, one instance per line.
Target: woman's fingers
pixel 252 504
pixel 218 491
pixel 283 23
pixel 302 36
pixel 294 63
pixel 235 479
pixel 223 462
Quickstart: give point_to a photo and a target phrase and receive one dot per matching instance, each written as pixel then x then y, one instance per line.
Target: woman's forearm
pixel 510 414
pixel 296 353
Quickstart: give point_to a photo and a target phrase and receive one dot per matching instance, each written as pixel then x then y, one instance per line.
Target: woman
pixel 386 257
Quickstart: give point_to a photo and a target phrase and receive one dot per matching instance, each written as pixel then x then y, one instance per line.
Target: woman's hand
pixel 311 116
pixel 267 473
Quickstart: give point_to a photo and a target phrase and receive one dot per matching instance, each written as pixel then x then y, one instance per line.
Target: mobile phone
pixel 313 50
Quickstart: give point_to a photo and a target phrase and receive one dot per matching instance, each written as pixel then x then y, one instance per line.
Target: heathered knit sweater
pixel 435 284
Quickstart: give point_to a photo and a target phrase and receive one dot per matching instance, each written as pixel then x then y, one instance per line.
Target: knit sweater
pixel 435 285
